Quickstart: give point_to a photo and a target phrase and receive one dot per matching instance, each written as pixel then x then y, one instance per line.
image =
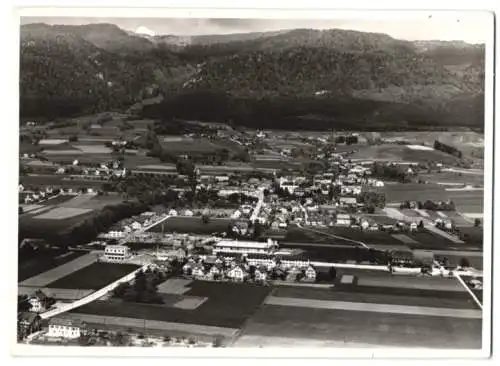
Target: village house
pixel 38 301
pixel 27 323
pixel 215 271
pixel 348 201
pixel 198 271
pixel 65 328
pixel 310 274
pixel 343 219
pixel 116 253
pixel 136 225
pixel 237 273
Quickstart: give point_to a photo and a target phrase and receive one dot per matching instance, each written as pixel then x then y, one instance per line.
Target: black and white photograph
pixel 283 181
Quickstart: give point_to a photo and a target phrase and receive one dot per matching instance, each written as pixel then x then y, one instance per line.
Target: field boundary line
pixel 474 297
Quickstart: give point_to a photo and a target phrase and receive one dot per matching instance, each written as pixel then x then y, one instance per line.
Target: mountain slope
pixel 274 75
pixel 64 71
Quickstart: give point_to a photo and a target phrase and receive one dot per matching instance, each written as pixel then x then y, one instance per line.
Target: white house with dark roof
pixel 237 273
pixel 343 219
pixel 310 274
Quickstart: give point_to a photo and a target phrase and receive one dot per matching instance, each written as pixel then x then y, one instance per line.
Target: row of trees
pixel 390 172
pixel 448 149
pixel 429 205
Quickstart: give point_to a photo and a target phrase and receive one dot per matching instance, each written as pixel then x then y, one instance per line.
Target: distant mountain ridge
pixel 100 66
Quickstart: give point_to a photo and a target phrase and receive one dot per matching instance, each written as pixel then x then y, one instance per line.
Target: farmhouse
pixel 116 253
pixel 344 219
pixel 38 301
pixel 237 273
pixel 215 270
pixel 348 201
pixel 310 273
pixel 234 246
pixel 65 328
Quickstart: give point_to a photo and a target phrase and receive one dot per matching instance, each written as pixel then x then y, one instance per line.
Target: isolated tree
pixel 421 224
pixel 464 262
pixel 477 222
pixel 332 272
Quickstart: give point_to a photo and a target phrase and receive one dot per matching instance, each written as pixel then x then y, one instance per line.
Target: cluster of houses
pixel 29 321
pixel 249 267
pixel 32 196
pixel 130 225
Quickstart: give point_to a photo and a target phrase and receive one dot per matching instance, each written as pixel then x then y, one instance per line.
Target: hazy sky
pixel 469 27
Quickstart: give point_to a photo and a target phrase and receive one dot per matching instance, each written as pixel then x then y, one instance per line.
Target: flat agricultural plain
pixel 94 276
pixel 60 213
pixel 466 201
pixel 228 306
pixel 392 152
pixel 365 315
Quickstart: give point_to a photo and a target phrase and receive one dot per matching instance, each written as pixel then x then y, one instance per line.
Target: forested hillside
pixel 330 78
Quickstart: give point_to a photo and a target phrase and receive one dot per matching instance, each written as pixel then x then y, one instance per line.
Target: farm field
pixel 62 215
pixel 471 234
pixel 453 178
pixel 44 279
pixel 34 266
pixel 365 327
pixel 465 201
pixel 32 227
pixel 228 306
pixel 468 201
pixel 315 242
pixel 58 181
pixel 393 152
pixel 441 299
pixel 418 192
pixel 152 327
pixel 93 276
pixel 375 237
pixel 187 145
pixel 192 225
